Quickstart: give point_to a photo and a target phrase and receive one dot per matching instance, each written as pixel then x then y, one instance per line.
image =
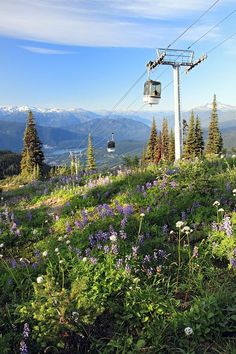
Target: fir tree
pixel 32 155
pixel 214 142
pixel 199 142
pixel 189 146
pixel 159 148
pixel 172 146
pixel 152 143
pixel 165 141
pixel 91 163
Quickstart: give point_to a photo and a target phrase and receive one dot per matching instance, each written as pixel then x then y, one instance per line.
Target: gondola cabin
pixel 152 92
pixel 111 144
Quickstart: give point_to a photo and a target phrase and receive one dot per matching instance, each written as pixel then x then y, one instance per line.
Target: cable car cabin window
pixel 152 88
pixel 111 145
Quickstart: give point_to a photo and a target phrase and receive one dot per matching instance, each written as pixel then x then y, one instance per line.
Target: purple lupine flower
pixel 233 262
pixel 148 209
pixel 165 229
pixel 23 347
pixel 114 249
pixel 93 260
pixel 26 331
pixel 227 226
pixel 13 263
pixel 68 228
pixel 128 209
pixel 161 253
pixel 183 215
pixel 149 272
pixel 123 235
pixel 144 194
pixel 106 249
pixel 173 184
pixel 87 252
pixel 123 222
pixel 146 258
pixel 127 268
pixel 134 251
pixel 119 263
pixel 214 226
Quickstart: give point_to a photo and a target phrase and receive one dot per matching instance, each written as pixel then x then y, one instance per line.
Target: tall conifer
pixel 172 146
pixel 199 142
pixel 189 146
pixel 214 143
pixel 152 143
pixel 32 155
pixel 91 163
pixel 165 140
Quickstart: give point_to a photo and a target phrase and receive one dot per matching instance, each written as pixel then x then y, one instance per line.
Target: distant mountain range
pixel 62 130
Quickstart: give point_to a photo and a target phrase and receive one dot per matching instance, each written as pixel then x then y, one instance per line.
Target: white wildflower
pixel 221 210
pixel 234 192
pixel 84 259
pixel 186 229
pixel 216 203
pixel 39 280
pixel 1 255
pixel 68 242
pixel 142 215
pixel 60 238
pixel 113 238
pixel 1 245
pixel 179 224
pixel 171 232
pixel 45 253
pixel 188 331
pixel 233 156
pixel 57 250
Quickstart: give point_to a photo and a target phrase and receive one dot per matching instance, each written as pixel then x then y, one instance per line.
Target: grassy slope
pixel 113 280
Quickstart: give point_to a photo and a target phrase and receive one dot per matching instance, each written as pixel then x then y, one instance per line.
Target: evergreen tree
pixel 144 156
pixel 152 143
pixel 214 142
pixel 189 146
pixel 199 142
pixel 159 148
pixel 91 163
pixel 165 141
pixel 172 146
pixel 32 154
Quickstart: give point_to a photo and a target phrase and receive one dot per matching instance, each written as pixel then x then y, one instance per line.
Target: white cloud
pixel 137 23
pixel 40 50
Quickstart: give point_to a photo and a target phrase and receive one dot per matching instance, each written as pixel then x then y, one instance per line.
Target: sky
pixel 89 53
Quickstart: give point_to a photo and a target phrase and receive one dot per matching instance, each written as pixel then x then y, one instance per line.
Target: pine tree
pixel 159 148
pixel 152 143
pixel 32 154
pixel 172 146
pixel 214 142
pixel 199 142
pixel 165 141
pixel 189 146
pixel 91 163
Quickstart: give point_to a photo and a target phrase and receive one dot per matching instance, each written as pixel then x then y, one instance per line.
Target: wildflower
pixel 179 224
pixel 57 250
pixel 142 215
pixel 188 331
pixel 23 347
pixel 61 261
pixel 233 156
pixel 1 255
pixel 113 238
pixel 227 226
pixel 84 259
pixel 1 245
pixel 68 242
pixel 39 280
pixel 26 331
pixel 195 252
pixel 234 192
pixel 45 253
pixel 232 262
pixel 216 203
pixel 186 230
pixel 221 210
pixel 171 232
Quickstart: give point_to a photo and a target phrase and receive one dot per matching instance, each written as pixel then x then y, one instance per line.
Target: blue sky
pixel 88 53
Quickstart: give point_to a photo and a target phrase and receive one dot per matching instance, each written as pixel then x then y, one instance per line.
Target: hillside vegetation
pixel 140 262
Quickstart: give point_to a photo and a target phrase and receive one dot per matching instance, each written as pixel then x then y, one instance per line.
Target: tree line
pixel 161 146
